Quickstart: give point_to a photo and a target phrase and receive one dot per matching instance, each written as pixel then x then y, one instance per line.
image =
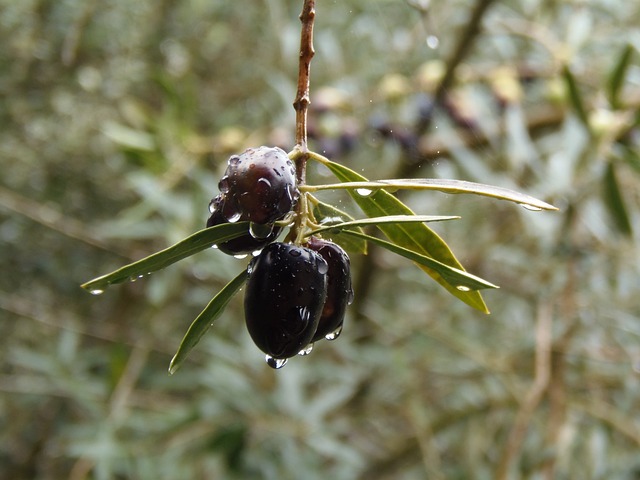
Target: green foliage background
pixel 117 120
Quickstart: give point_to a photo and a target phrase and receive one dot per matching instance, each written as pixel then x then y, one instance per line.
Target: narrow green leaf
pixel 443 185
pixel 330 215
pixel 416 237
pixel 615 201
pixel 575 96
pixel 205 319
pixel 459 279
pixel 617 75
pixel 383 220
pixel 185 248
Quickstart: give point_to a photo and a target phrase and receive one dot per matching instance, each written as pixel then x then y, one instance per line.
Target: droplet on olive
pixel 339 289
pixel 247 243
pixel 284 298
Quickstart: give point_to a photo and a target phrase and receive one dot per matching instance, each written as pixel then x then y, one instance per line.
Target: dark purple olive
pixel 285 294
pixel 339 291
pixel 254 239
pixel 259 185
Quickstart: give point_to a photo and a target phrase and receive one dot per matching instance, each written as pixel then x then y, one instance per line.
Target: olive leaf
pixel 575 96
pixel 614 200
pixel 185 248
pixel 442 185
pixel 617 75
pixel 416 237
pixel 205 319
pixel 459 279
pixel 382 220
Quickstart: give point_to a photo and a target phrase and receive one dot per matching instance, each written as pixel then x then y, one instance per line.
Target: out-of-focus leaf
pixel 617 76
pixel 459 279
pixel 330 215
pixel 205 319
pixel 387 219
pixel 416 237
pixel 128 137
pixel 614 200
pixel 575 96
pixel 447 186
pixel 185 248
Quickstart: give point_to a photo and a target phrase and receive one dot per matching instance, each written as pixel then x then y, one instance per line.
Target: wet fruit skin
pixel 239 245
pixel 339 290
pixel 285 294
pixel 260 185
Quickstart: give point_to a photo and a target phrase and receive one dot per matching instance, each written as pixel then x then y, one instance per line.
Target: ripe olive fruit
pixel 339 290
pixel 285 294
pixel 259 185
pixel 247 243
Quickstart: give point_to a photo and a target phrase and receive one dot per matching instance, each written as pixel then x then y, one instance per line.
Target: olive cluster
pixel 295 294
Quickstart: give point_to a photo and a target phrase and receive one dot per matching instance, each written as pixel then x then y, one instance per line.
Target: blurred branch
pixel 544 323
pixel 54 219
pixel 471 30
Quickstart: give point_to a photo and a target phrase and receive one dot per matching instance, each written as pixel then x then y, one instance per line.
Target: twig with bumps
pixel 302 101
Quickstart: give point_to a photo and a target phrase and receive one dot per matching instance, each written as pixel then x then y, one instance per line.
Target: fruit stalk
pixel 301 102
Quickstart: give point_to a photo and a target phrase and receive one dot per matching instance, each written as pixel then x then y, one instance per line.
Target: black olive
pixel 285 294
pixel 259 185
pixel 339 290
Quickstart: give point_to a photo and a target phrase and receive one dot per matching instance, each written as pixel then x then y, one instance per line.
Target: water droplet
pixel 260 231
pixel 363 192
pixel 234 217
pixel 289 218
pixel 275 363
pixel 322 266
pixel 263 186
pixel 240 256
pixel 96 291
pixel 433 41
pixel 295 252
pixel 463 288
pixel 212 206
pixel 233 161
pixel 533 208
pixel 306 350
pixel 214 246
pixel 256 253
pixel 223 184
pixel 335 334
pixel 350 296
pixel 331 220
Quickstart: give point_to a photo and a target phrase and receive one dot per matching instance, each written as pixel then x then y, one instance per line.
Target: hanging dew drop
pixel 234 217
pixel 463 288
pixel 529 207
pixel 96 291
pixel 335 334
pixel 275 363
pixel 364 192
pixel 306 350
pixel 260 231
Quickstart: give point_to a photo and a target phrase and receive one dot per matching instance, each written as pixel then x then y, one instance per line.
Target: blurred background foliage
pixel 117 120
